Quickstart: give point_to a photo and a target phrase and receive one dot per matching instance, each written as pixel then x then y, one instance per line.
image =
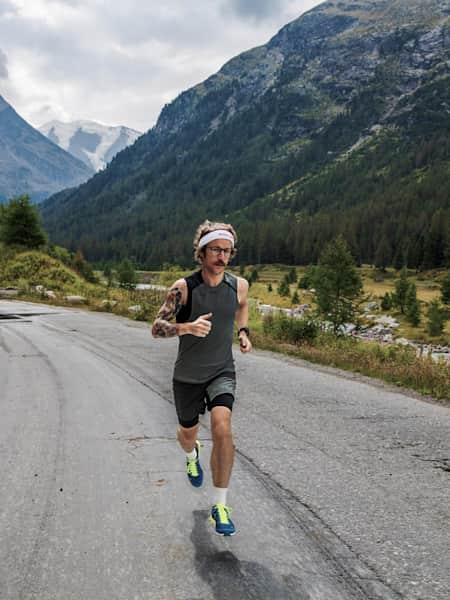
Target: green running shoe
pixel 193 468
pixel 220 518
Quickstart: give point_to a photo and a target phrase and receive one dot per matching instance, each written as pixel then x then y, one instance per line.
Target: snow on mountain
pixel 30 163
pixel 93 143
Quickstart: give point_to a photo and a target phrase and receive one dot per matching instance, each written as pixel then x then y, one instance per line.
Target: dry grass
pixel 394 364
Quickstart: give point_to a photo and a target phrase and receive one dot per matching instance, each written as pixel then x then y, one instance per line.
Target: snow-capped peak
pixel 93 143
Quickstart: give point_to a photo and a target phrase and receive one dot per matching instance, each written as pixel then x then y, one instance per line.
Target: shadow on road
pixel 230 578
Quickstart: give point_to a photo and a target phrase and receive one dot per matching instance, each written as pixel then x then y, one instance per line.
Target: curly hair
pixel 207 227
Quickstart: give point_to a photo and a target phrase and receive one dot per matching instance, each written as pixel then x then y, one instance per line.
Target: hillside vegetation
pixel 339 124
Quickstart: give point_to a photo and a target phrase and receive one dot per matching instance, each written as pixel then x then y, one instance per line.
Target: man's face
pixel 217 255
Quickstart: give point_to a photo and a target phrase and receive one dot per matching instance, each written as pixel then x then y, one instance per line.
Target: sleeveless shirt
pixel 201 359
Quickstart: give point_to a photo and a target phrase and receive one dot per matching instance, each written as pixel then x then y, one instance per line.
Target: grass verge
pixel 397 365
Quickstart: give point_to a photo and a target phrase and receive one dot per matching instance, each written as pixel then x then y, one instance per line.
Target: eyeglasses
pixel 217 250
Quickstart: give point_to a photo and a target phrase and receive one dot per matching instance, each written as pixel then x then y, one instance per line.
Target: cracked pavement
pixel 340 487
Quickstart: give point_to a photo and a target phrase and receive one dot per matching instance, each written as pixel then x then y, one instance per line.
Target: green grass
pixel 394 364
pixel 27 269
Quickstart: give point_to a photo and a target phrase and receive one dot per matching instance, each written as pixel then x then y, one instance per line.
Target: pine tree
pixel 283 288
pixel 436 318
pixel 337 282
pixel 20 224
pixel 126 274
pixel 255 275
pixel 292 275
pixel 386 301
pixel 295 299
pixel 412 307
pixel 401 290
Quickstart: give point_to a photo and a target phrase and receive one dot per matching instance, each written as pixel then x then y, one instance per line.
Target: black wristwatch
pixel 246 330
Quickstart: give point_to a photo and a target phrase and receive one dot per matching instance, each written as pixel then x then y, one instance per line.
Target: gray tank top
pixel 202 359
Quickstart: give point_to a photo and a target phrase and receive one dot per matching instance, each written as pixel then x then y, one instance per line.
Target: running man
pixel 206 305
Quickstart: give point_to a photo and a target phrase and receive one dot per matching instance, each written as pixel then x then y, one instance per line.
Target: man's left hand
pixel 245 344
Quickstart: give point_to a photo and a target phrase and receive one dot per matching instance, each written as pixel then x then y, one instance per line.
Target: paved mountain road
pixel 340 488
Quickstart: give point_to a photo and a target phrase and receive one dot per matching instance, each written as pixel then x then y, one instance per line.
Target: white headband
pixel 219 234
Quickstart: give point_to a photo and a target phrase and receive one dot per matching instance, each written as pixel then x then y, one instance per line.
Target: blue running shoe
pixel 193 468
pixel 220 518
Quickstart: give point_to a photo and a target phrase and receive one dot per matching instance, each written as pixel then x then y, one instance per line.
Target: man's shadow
pixel 230 578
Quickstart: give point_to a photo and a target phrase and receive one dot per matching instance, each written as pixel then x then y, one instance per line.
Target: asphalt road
pixel 340 488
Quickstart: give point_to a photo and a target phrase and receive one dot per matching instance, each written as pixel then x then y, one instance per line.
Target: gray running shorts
pixel 191 399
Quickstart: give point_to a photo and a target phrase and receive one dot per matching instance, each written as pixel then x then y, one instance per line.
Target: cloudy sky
pixel 120 62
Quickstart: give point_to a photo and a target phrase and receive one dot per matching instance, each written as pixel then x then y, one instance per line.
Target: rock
pixel 135 309
pixel 75 299
pixel 8 292
pixel 268 309
pixel 347 328
pixel 389 321
pixel 108 303
pixel 371 306
pixel 50 294
pixel 40 289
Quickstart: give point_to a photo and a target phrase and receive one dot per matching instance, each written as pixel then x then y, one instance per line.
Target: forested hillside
pixel 341 123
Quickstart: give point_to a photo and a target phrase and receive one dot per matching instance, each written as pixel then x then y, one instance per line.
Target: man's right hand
pixel 201 326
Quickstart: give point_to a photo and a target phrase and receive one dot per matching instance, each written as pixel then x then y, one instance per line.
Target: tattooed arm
pixel 176 297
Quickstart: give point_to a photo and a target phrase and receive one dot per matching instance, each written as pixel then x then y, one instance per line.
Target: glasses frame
pixel 217 250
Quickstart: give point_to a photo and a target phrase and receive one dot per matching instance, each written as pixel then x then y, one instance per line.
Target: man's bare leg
pixel 187 437
pixel 222 456
pixel 222 453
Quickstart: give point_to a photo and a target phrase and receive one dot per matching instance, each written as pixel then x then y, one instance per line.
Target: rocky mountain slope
pixel 30 163
pixel 267 139
pixel 93 143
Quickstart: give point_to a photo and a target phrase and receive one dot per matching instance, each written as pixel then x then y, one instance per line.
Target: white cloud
pixel 3 65
pixel 119 63
pixel 257 9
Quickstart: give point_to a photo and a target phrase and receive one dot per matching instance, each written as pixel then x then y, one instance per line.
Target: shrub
pixel 291 330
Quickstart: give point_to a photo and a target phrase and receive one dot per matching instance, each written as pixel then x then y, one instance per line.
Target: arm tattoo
pixel 169 310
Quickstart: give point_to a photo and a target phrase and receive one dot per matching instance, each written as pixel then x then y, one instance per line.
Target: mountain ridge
pixel 93 143
pixel 30 163
pixel 325 84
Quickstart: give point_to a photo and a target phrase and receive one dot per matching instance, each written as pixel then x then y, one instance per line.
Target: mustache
pixel 220 263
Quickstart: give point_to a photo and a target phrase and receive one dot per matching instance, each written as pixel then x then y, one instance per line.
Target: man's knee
pixel 188 433
pixel 220 423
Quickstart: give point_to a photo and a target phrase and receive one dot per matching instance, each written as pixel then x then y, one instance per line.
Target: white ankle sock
pixel 192 454
pixel 219 495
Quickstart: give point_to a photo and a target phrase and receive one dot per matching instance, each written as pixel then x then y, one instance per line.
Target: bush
pixel 37 269
pixel 386 301
pixel 291 330
pixel 283 288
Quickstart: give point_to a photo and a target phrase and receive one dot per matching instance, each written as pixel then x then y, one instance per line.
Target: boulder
pixel 8 292
pixel 135 309
pixel 108 304
pixel 75 299
pixel 371 306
